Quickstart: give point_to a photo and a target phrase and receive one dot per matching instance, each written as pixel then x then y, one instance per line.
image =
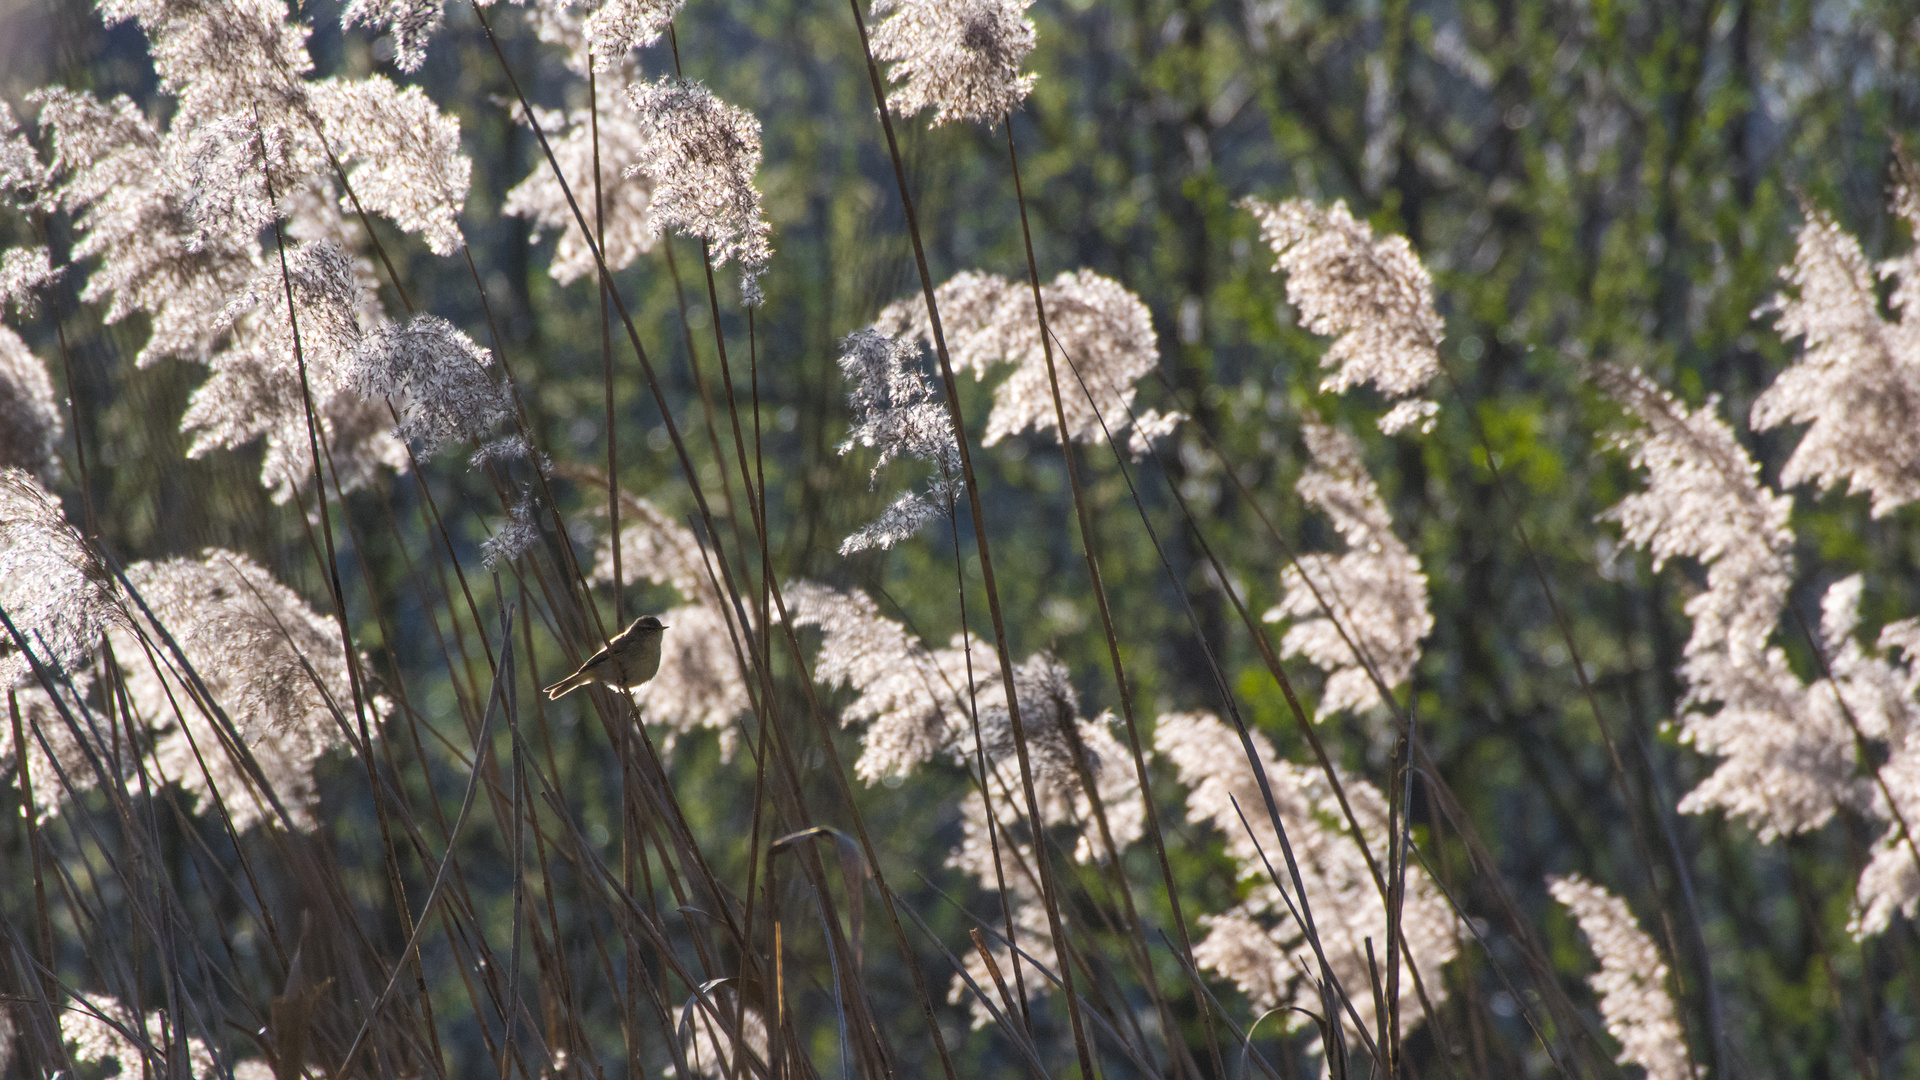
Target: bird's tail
pixel 568 685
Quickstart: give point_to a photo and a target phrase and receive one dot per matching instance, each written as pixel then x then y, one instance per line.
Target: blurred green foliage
pixel 1587 179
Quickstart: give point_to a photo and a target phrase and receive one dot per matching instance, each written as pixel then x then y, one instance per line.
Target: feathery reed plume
pixel 1857 383
pixel 123 181
pixel 915 702
pixel 410 23
pixel 22 177
pixel 698 684
pixel 1048 708
pixel 1107 334
pixel 60 762
pixel 1375 295
pixel 1788 749
pixel 1787 756
pixel 1066 750
pixel 402 155
pixel 1063 801
pixel 962 57
pixel 174 215
pixel 254 389
pixel 712 1052
pixel 628 229
pixel 30 423
pixel 1103 328
pixel 516 536
pixel 1376 590
pixel 111 1036
pixel 898 411
pixel 221 57
pixel 701 155
pixel 23 273
pixel 436 378
pixel 975 858
pixel 1884 697
pixel 1857 388
pixel 510 447
pixel 237 68
pixel 902 518
pixel 273 665
pixel 969 305
pixel 911 698
pixel 1117 785
pixel 174 219
pixel 432 374
pixel 56 593
pixel 1631 982
pixel 618 27
pixel 1258 944
pixel 660 549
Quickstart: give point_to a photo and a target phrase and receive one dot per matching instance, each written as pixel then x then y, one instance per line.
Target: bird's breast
pixel 643 664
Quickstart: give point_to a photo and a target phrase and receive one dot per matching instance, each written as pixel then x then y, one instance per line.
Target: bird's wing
pixel 598 657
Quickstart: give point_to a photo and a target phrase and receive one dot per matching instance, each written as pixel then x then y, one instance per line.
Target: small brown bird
pixel 629 660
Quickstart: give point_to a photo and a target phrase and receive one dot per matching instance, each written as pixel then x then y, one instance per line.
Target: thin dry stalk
pixel 983 550
pixel 1087 548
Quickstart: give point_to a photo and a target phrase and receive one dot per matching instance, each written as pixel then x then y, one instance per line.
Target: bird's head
pixel 645 625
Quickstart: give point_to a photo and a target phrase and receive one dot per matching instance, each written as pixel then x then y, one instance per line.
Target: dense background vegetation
pixel 1585 180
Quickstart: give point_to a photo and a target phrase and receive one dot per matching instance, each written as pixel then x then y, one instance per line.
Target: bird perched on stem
pixel 629 660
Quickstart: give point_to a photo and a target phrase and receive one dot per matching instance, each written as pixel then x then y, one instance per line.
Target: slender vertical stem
pixel 73 406
pixel 986 776
pixel 1084 520
pixel 29 812
pixel 1247 747
pixel 760 485
pixel 606 349
pixel 1049 894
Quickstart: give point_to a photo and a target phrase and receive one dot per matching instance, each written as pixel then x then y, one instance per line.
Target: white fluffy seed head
pixel 409 23
pixel 701 156
pixel 898 411
pixel 1257 944
pixel 30 421
pixel 1373 296
pixel 275 667
pixel 24 272
pixel 1103 345
pixel 67 750
pixel 1787 756
pixel 57 595
pixel 620 26
pixel 104 1029
pixel 438 380
pixel 1856 385
pixel 1631 982
pixel 960 57
pixel 1375 592
pixel 255 389
pixel 624 221
pixel 23 179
